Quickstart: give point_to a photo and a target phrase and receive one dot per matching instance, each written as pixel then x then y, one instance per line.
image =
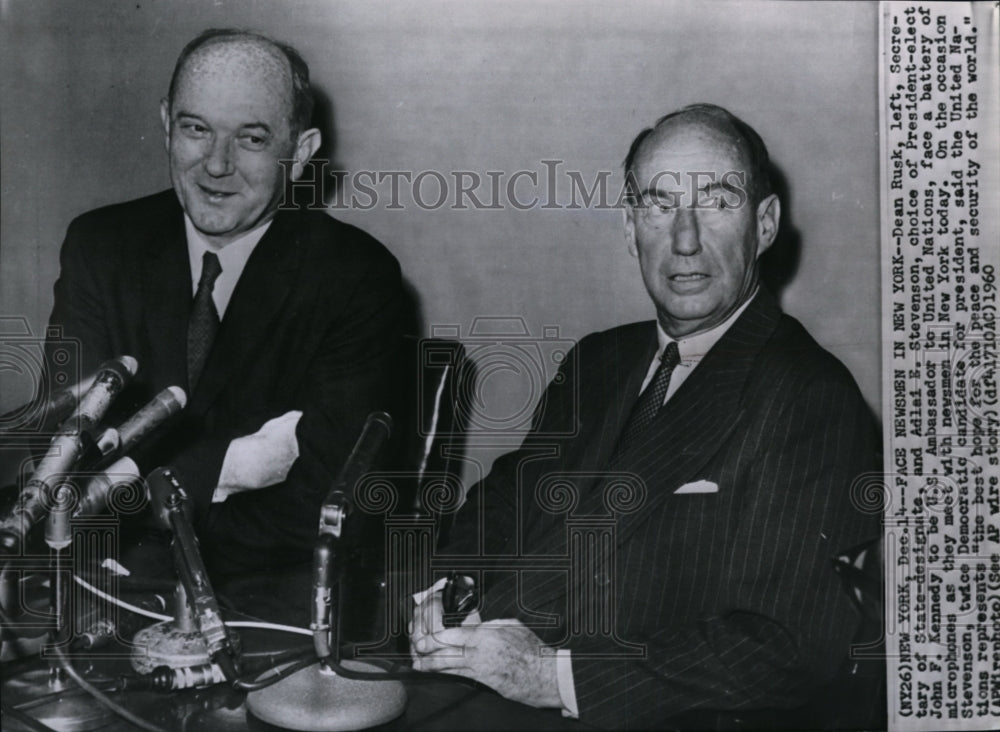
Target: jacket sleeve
pixel 354 372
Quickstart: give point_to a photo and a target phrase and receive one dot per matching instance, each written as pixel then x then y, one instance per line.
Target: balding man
pixel 701 500
pixel 281 325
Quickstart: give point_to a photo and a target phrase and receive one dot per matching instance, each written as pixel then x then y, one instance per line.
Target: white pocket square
pixel 699 486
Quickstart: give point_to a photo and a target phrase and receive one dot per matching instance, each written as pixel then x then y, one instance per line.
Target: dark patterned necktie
pixel 651 399
pixel 204 322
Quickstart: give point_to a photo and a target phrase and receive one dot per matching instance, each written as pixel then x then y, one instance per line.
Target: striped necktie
pixel 204 322
pixel 650 401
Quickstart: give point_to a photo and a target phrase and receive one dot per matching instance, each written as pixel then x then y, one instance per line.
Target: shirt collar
pixel 233 257
pixel 694 347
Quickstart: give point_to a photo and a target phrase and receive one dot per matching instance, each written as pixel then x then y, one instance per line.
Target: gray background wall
pixel 444 85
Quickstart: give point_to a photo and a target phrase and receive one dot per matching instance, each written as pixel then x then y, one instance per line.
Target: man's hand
pixel 261 459
pixel 503 654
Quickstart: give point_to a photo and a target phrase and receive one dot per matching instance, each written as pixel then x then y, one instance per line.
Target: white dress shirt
pixel 691 348
pixel 232 257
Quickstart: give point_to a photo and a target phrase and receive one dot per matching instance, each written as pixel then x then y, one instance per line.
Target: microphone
pixel 52 410
pixel 110 380
pixel 157 411
pixel 115 442
pixel 317 697
pixel 197 635
pixel 332 522
pixel 377 429
pixel 74 435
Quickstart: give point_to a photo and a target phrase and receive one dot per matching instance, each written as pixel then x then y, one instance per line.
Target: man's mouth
pixel 688 277
pixel 215 196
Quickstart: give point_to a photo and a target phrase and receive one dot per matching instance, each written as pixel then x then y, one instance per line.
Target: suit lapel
pixel 604 401
pixel 684 437
pixel 266 282
pixel 701 415
pixel 623 372
pixel 166 295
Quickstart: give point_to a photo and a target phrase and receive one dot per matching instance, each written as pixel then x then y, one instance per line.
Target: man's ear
pixel 628 219
pixel 165 121
pixel 305 147
pixel 768 218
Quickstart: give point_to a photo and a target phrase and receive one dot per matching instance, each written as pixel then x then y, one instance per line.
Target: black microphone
pixel 335 701
pixel 332 520
pixel 38 494
pixel 377 429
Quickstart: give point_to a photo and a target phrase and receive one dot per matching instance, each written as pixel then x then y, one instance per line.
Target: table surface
pixel 280 597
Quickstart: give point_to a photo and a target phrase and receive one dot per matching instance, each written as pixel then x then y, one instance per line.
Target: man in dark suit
pixel 669 564
pixel 281 325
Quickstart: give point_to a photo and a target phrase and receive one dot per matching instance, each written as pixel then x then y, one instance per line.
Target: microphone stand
pixel 317 697
pixel 75 712
pixel 196 645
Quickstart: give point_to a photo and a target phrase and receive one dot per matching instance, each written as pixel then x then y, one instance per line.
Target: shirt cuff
pixel 567 689
pixel 419 597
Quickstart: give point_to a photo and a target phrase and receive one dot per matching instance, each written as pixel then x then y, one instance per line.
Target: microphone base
pixel 316 699
pixel 164 644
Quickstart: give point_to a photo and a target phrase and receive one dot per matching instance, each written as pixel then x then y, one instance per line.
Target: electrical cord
pixel 244 683
pixel 120 603
pixel 297 660
pixel 7 624
pixel 40 701
pixel 267 626
pixel 100 696
pixel 89 688
pixel 166 618
pixel 396 672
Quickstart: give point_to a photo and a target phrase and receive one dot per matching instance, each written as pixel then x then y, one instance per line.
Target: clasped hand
pixel 502 654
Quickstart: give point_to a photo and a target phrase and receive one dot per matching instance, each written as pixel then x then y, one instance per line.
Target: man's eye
pixel 193 128
pixel 254 142
pixel 662 204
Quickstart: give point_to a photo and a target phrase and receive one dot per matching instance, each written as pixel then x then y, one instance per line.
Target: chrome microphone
pixel 38 494
pixel 115 442
pixel 52 410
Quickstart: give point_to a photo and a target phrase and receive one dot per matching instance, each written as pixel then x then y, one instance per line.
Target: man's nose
pixel 219 160
pixel 685 236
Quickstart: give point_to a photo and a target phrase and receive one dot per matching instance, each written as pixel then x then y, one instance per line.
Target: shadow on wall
pixel 319 188
pixel 780 263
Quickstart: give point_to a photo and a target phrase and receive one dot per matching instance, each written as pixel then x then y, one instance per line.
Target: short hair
pixel 302 95
pixel 751 145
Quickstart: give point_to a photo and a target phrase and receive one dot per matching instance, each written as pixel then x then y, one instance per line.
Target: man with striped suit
pixel 703 494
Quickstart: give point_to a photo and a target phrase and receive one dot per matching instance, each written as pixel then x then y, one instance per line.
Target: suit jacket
pixel 697 599
pixel 313 325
